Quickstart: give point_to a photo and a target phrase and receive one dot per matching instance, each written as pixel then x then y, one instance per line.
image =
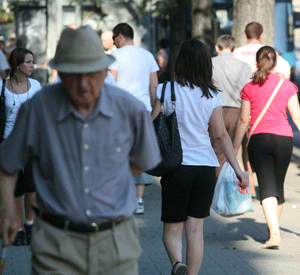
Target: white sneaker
pixel 140 209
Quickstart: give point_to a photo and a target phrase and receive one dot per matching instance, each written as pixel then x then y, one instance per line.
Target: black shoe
pixel 28 231
pixel 20 239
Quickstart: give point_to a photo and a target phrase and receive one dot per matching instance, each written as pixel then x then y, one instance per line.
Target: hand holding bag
pixel 2 110
pixel 168 137
pixel 229 199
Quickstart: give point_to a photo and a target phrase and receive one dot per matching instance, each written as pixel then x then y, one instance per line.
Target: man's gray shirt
pixel 230 75
pixel 81 167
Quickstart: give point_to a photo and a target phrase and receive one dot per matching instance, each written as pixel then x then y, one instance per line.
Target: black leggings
pixel 270 156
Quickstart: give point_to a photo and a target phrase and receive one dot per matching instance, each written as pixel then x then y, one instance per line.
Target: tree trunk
pixel 246 11
pixel 178 34
pixel 202 27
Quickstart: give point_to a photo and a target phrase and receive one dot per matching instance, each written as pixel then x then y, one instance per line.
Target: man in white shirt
pixel 247 53
pixel 135 71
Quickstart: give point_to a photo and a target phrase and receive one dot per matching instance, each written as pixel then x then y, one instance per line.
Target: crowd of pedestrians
pixel 74 153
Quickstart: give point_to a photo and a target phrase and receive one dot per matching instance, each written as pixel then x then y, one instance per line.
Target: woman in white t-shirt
pixel 188 191
pixel 19 88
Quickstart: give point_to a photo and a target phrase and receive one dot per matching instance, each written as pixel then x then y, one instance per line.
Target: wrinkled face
pixel 27 67
pixel 84 88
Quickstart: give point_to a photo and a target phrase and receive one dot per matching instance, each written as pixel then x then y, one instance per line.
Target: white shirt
pixel 193 114
pixel 14 101
pixel 3 62
pixel 247 54
pixel 134 65
pixel 108 80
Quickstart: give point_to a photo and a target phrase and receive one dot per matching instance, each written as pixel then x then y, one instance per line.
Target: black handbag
pixel 2 110
pixel 168 137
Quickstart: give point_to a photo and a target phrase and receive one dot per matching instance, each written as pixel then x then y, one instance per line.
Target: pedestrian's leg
pixel 19 210
pixel 195 244
pixel 279 210
pixel 20 238
pixel 140 189
pixel 247 165
pixel 29 203
pixel 172 239
pixel 270 207
pixel 29 214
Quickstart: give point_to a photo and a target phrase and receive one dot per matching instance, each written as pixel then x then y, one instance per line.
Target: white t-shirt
pixel 3 62
pixel 13 103
pixel 134 65
pixel 109 79
pixel 193 114
pixel 247 54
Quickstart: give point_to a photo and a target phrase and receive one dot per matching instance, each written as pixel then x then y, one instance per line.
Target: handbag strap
pixel 173 97
pixel 3 87
pixel 262 113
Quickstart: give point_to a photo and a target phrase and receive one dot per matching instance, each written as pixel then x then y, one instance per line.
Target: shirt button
pixel 86 190
pixel 85 125
pixel 118 149
pixel 88 212
pixel 86 146
pixel 86 168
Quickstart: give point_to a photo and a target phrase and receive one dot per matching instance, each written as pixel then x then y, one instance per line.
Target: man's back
pixel 247 53
pixel 230 75
pixel 134 66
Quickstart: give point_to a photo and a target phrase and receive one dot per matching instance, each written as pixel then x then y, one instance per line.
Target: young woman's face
pixel 27 67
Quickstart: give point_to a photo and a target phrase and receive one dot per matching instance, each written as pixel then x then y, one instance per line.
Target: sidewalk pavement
pixel 232 245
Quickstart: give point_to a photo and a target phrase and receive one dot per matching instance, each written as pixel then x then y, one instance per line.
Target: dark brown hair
pixel 16 58
pixel 124 29
pixel 266 61
pixel 226 41
pixel 194 67
pixel 253 30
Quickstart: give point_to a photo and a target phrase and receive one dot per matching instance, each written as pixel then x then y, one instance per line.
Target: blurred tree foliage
pixel 7 15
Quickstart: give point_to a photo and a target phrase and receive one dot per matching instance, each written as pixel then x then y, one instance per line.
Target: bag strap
pixel 162 98
pixel 3 87
pixel 262 113
pixel 173 97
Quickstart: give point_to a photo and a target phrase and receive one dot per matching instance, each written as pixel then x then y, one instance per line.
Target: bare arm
pixel 114 73
pixel 156 108
pixel 153 85
pixel 294 109
pixel 225 143
pixel 8 221
pixel 242 124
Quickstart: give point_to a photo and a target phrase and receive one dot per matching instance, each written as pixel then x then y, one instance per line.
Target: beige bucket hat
pixel 80 51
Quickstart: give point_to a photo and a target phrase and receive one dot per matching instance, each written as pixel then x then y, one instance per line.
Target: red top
pixel 275 120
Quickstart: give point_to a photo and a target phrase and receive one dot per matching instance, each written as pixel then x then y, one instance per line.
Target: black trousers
pixel 270 156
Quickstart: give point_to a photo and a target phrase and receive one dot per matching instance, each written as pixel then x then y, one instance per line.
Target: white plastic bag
pixel 227 200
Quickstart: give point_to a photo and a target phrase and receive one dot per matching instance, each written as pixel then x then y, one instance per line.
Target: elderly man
pixel 86 140
pixel 135 71
pixel 108 42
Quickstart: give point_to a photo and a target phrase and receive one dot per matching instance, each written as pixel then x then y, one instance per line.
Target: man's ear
pixel 261 36
pixel 217 49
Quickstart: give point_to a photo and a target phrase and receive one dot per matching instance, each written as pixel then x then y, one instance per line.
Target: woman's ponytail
pixel 266 61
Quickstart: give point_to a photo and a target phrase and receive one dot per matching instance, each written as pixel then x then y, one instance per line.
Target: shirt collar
pixel 66 108
pixel 225 53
